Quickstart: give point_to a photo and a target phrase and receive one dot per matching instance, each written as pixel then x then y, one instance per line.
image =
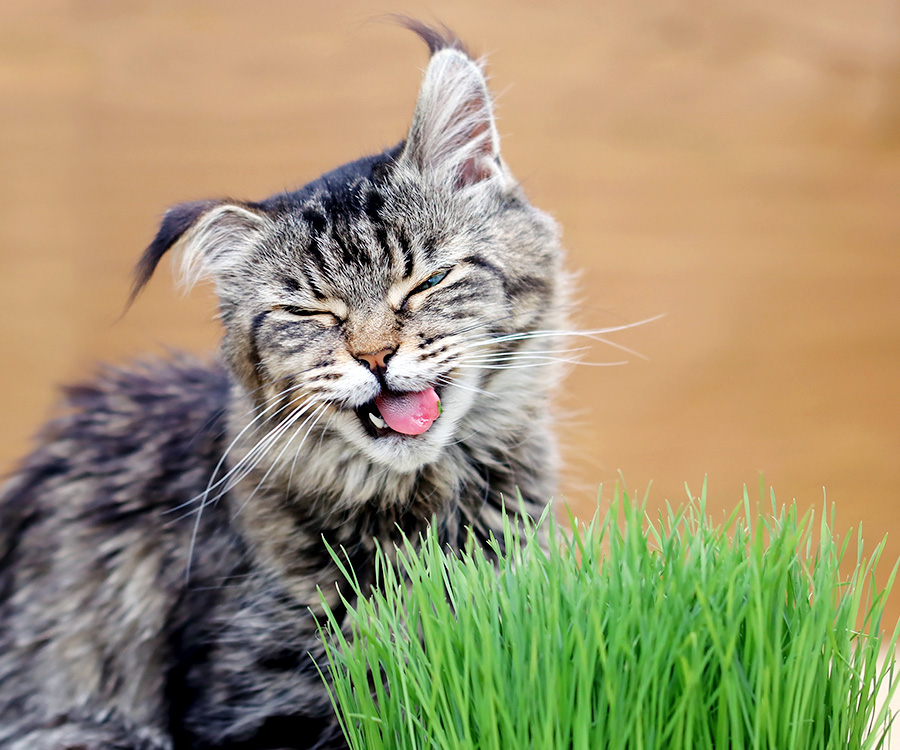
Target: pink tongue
pixel 409 413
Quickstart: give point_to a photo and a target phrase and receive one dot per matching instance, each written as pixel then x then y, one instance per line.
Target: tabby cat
pixel 162 549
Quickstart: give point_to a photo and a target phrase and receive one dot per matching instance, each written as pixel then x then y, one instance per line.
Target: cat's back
pixel 95 525
pixel 126 442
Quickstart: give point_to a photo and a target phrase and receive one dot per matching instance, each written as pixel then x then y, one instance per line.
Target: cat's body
pixel 161 550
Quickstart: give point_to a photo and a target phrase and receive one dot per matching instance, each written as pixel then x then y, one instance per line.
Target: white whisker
pixel 322 433
pixel 272 402
pixel 595 335
pixel 315 417
pixel 245 465
pixel 448 380
pixel 261 447
pixel 212 485
pixel 501 357
pixel 528 352
pixel 544 364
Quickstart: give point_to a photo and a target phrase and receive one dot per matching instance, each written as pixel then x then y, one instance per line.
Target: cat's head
pixel 357 302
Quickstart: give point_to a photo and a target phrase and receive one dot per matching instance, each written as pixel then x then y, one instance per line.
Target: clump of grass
pixel 675 634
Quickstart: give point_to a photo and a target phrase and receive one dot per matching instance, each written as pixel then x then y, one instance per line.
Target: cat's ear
pixel 212 237
pixel 453 131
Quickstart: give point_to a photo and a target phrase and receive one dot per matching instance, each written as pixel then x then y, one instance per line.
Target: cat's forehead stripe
pixel 406 251
pixel 290 284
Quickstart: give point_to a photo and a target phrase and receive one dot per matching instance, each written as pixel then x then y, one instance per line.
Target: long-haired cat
pixel 162 549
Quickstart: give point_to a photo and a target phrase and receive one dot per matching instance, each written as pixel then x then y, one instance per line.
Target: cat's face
pixel 385 302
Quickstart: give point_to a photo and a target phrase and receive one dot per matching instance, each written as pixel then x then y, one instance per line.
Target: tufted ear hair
pixel 453 130
pixel 212 237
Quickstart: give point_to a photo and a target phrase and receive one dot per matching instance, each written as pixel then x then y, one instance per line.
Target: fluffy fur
pixel 162 549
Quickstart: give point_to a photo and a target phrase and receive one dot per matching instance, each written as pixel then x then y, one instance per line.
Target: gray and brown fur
pixel 162 548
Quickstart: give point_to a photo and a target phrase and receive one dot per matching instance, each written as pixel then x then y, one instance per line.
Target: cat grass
pixel 625 633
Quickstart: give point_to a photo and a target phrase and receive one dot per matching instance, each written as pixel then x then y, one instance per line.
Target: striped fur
pixel 162 548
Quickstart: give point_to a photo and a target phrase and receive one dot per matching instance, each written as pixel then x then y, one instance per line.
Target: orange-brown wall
pixel 733 165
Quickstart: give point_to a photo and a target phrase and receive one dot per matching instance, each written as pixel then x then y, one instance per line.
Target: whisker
pixel 595 335
pixel 211 485
pixel 448 380
pixel 261 448
pixel 512 360
pixel 500 356
pixel 490 321
pixel 551 361
pixel 322 432
pixel 315 416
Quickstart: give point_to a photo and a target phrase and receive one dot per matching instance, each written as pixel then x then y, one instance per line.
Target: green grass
pixel 627 633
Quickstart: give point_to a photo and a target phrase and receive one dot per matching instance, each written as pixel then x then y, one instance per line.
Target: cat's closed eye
pixel 300 312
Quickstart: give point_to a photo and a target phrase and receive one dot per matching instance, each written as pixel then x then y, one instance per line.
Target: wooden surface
pixel 734 166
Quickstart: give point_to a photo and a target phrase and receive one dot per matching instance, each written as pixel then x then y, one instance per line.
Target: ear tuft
pixel 453 131
pixel 175 223
pixel 210 235
pixel 436 38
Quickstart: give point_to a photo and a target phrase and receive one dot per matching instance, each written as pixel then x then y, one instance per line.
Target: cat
pixel 163 548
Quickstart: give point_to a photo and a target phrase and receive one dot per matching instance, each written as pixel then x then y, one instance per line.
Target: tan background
pixel 732 164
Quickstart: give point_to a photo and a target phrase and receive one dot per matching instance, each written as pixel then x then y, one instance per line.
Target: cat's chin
pixel 396 451
pixel 403 453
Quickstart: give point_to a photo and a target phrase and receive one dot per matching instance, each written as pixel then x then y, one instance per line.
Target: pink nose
pixel 377 360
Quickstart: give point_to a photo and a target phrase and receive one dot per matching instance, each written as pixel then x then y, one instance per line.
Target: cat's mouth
pixel 400 413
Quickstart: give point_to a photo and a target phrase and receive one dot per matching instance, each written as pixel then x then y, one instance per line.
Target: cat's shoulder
pixel 153 426
pixel 151 386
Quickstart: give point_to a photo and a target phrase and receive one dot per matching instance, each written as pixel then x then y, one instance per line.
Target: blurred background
pixel 733 165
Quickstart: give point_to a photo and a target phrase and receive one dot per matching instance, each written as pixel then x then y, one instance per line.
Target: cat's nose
pixel 378 360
